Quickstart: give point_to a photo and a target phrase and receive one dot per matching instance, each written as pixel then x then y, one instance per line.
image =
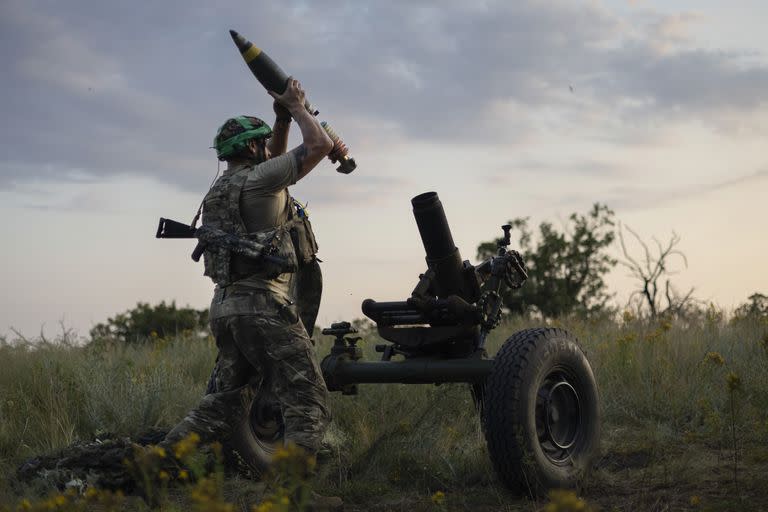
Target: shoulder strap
pixel 200 208
pixel 235 190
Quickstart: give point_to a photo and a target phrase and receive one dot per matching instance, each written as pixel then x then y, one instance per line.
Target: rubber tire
pixel 251 450
pixel 520 368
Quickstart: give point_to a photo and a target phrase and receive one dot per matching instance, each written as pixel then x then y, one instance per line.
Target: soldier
pixel 253 316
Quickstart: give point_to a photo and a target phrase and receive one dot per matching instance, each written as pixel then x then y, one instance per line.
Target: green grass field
pixel 684 404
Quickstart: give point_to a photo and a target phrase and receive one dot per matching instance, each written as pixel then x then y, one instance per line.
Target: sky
pixel 506 109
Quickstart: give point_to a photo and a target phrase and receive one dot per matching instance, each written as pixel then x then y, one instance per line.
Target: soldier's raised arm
pixel 278 143
pixel 316 144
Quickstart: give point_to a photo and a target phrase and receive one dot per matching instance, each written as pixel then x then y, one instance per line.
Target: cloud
pixel 356 189
pixel 732 182
pixel 72 109
pixel 634 198
pixel 669 32
pixel 105 90
pixel 515 171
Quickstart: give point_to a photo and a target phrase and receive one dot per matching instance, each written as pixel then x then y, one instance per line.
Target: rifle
pixel 206 236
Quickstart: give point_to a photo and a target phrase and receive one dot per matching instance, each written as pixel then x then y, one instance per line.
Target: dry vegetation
pixel 685 411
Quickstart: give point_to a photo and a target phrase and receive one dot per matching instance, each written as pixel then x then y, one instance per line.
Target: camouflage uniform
pixel 270 348
pixel 263 346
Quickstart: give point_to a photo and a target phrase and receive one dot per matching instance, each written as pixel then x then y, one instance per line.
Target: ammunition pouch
pixel 303 238
pixel 217 265
pixel 307 283
pixel 281 244
pixel 277 242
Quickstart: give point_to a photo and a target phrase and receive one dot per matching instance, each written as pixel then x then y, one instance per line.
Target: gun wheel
pixel 541 412
pixel 258 435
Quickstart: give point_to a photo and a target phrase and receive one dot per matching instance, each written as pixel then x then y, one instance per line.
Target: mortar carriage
pixel 537 398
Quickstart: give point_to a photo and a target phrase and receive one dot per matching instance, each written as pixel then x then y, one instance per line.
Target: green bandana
pixel 237 141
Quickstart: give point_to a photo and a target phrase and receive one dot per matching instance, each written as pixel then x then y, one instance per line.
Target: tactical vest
pixel 293 241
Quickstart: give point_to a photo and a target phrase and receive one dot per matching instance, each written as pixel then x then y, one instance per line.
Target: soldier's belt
pixel 233 301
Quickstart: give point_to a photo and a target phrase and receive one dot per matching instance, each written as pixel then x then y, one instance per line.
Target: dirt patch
pixel 625 460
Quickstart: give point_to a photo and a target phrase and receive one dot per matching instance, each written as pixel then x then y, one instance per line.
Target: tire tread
pixel 503 394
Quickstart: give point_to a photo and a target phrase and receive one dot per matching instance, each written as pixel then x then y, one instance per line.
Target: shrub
pixel 147 322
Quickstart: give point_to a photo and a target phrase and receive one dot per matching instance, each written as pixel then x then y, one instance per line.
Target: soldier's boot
pixel 320 503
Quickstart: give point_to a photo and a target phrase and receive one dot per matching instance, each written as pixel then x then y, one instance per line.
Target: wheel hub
pixel 563 415
pixel 266 421
pixel 558 417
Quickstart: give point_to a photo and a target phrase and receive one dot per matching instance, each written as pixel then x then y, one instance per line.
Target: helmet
pixel 235 133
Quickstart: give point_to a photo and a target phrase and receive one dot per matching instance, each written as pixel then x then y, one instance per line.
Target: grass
pixel 685 418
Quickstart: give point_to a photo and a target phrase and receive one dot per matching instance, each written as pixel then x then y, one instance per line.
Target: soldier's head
pixel 243 138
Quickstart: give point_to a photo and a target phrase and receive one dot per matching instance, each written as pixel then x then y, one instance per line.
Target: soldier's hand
pixel 281 113
pixel 293 98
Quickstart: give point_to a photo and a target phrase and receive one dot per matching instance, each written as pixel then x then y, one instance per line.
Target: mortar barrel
pixel 442 255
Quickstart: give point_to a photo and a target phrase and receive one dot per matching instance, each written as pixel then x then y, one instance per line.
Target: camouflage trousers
pixel 263 348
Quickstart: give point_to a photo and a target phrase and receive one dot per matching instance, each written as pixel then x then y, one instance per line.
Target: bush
pixel 756 308
pixel 147 322
pixel 565 269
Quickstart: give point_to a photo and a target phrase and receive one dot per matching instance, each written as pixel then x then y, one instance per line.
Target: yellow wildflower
pixel 183 474
pixel 186 446
pixel 266 506
pixel 438 498
pixel 626 339
pixel 565 501
pixel 734 382
pixel 163 475
pixel 654 336
pixel 282 453
pixel 715 358
pixel 695 501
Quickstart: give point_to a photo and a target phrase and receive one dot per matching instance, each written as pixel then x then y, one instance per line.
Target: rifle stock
pixel 168 228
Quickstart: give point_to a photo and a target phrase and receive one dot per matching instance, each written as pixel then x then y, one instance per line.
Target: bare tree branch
pixel 651 269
